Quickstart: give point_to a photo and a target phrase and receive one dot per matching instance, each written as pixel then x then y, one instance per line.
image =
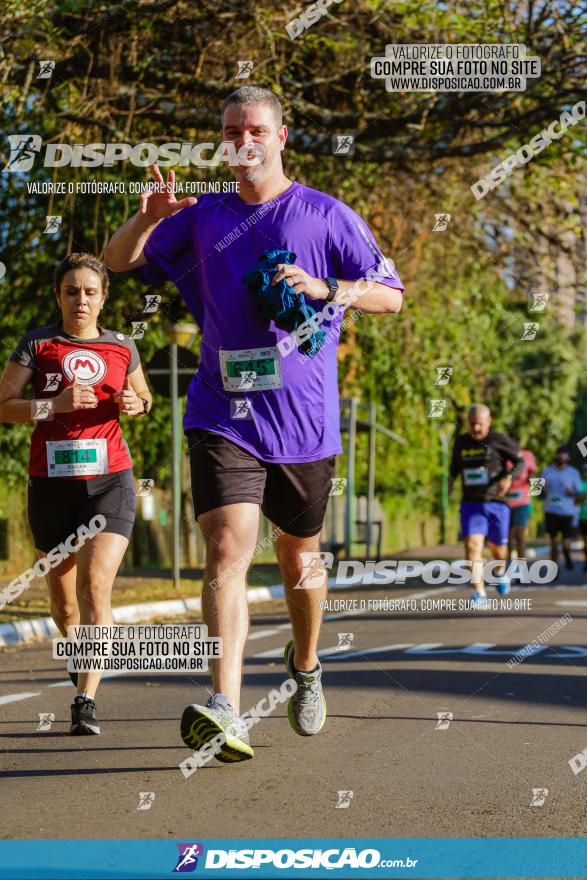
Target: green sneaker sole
pixel 291 699
pixel 197 728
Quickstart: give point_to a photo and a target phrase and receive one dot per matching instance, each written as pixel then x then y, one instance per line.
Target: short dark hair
pixel 564 449
pixel 80 261
pixel 254 95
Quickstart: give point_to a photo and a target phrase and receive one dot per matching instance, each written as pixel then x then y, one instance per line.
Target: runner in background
pixel 518 498
pixel 583 513
pixel 83 377
pixel 481 458
pixel 562 491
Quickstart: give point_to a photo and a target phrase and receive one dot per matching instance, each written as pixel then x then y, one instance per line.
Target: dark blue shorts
pixel 489 518
pixel 519 515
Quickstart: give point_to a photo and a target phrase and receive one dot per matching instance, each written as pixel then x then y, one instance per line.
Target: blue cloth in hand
pixel 280 302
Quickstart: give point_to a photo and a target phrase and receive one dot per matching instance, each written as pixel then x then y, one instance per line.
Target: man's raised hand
pixel 160 202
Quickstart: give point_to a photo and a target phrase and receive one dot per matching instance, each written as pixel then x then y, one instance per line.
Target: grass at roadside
pixel 34 602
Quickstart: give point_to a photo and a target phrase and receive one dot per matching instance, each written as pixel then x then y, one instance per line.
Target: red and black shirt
pixel 101 363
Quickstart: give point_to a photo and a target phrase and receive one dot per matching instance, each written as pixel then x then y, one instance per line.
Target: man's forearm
pixel 370 296
pixel 124 249
pixel 518 469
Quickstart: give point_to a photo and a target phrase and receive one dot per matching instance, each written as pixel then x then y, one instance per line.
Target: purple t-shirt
pixel 205 250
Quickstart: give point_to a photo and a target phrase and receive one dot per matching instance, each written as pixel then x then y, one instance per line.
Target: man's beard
pixel 254 173
pixel 257 173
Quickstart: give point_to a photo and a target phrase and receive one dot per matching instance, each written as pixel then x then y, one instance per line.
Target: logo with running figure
pixel 315 567
pixel 539 795
pixel 23 150
pixel 146 799
pixel 87 367
pixel 45 720
pixel 537 484
pixel 52 381
pixel 187 859
pixel 444 719
pixel 344 799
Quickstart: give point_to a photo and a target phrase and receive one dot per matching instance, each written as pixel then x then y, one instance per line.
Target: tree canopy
pixel 149 72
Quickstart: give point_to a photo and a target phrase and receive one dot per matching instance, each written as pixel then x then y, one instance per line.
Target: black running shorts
pixel 57 506
pixel 555 523
pixel 292 496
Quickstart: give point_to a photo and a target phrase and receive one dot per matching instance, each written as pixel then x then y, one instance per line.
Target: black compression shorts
pixel 292 496
pixel 58 506
pixel 556 523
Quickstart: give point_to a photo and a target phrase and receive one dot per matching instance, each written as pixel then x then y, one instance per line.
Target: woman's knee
pixel 95 592
pixel 64 612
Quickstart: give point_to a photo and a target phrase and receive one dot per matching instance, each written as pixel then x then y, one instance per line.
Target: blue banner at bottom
pixel 221 858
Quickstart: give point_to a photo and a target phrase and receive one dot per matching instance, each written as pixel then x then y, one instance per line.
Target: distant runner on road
pixel 562 493
pixel 481 457
pixel 518 498
pixel 583 513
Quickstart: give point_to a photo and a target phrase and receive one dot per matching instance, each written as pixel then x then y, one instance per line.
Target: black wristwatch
pixel 332 288
pixel 145 407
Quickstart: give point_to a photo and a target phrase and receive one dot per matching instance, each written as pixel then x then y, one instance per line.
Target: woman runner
pixel 83 377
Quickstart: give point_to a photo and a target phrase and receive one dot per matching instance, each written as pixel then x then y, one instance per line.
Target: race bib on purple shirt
pixel 205 250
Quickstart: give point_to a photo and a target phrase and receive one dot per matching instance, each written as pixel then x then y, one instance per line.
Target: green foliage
pixel 117 75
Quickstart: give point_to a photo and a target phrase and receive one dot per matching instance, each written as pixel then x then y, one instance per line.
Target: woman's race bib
pixel 77 458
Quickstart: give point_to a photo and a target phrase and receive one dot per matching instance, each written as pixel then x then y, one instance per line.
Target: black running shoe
pixel 83 717
pixel 73 676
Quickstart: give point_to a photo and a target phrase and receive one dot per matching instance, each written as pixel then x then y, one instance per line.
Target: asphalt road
pixel 512 731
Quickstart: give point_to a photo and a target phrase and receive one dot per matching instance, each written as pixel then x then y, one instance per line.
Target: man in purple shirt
pixel 262 420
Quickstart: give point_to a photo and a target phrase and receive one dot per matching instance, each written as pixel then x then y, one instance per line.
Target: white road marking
pixel 334 650
pixel 275 652
pixel 482 649
pixel 334 653
pixel 485 650
pixel 344 655
pixel 328 618
pixel 14 698
pixel 425 648
pixel 262 634
pixel 115 673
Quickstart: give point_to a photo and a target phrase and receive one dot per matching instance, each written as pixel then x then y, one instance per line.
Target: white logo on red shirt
pixel 87 366
pixel 52 381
